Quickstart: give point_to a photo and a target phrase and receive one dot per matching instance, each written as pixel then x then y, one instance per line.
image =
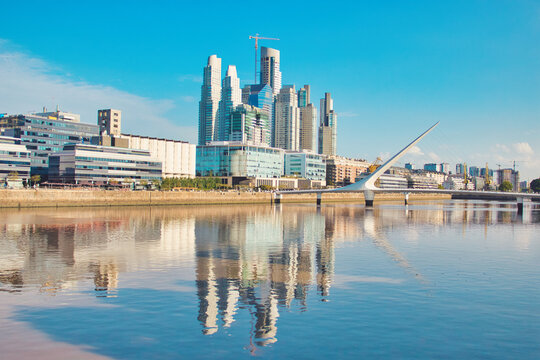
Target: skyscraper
pixel 287 119
pixel 231 96
pixel 328 127
pixel 210 96
pixel 250 125
pixel 270 73
pixel 308 120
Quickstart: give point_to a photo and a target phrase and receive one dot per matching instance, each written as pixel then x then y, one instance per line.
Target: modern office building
pixel 444 168
pixel 14 161
pixel 287 119
pixel 341 171
pixel 259 95
pixel 421 181
pixel 308 120
pixel 231 96
pixel 392 181
pixel 45 133
pixel 270 73
pixel 99 165
pixel 474 171
pixel 210 97
pixel 460 168
pixel 250 125
pixel 234 159
pixel 432 167
pixel 409 166
pixel 177 157
pixel 327 127
pixel 110 122
pixel 305 164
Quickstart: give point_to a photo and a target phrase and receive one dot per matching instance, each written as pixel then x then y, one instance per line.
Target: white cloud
pixel 416 151
pixel 29 83
pixel 434 157
pixel 502 147
pixel 188 99
pixel 523 148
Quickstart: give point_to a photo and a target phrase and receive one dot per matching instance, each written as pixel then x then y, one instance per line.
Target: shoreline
pixel 30 198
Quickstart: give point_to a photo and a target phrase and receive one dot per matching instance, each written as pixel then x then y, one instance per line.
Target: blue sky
pixel 393 67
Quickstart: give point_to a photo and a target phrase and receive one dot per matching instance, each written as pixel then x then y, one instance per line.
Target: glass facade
pixel 305 165
pixel 228 159
pixel 14 159
pixel 250 125
pixel 80 164
pixel 46 135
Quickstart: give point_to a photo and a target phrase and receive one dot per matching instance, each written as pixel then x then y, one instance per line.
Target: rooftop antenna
pixel 257 37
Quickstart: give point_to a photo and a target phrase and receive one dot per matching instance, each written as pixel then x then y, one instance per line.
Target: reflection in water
pixel 255 259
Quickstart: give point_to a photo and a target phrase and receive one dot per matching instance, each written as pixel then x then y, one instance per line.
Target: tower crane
pixel 257 38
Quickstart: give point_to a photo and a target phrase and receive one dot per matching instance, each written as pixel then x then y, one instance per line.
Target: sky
pixel 393 68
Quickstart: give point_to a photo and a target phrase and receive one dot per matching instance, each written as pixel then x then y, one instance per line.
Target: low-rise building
pixel 305 164
pixel 341 171
pixel 457 182
pixel 101 165
pixel 419 181
pixel 45 133
pixel 177 157
pixel 14 162
pixel 234 159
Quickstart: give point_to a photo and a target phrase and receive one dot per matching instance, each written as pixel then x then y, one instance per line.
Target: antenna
pixel 257 37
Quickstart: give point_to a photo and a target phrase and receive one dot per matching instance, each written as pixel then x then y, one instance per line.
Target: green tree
pixel 535 185
pixel 12 176
pixel 506 186
pixel 35 179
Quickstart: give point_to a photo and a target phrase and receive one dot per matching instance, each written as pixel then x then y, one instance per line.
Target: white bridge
pixel 368 187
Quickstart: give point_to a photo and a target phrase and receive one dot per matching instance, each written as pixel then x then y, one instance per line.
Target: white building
pixel 308 120
pixel 457 182
pixel 210 96
pixel 305 164
pixel 231 96
pixel 14 162
pixel 177 157
pixel 270 73
pixel 287 119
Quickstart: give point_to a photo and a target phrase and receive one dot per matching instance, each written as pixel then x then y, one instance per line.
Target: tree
pixel 13 176
pixel 506 186
pixel 535 185
pixel 35 179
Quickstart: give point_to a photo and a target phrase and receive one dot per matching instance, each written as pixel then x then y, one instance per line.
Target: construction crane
pixel 375 165
pixel 257 38
pixel 486 175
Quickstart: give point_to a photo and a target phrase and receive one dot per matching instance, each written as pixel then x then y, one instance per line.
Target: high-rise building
pixel 260 96
pixel 409 166
pixel 474 171
pixel 308 120
pixel 460 168
pixel 250 125
pixel 444 168
pixel 210 97
pixel 328 127
pixel 287 119
pixel 110 122
pixel 270 73
pixel 231 96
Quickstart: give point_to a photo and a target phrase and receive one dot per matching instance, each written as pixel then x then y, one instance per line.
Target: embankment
pixel 75 198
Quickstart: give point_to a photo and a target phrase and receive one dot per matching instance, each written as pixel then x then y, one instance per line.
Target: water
pixel 448 279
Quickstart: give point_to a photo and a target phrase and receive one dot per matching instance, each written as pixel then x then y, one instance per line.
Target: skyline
pixel 462 63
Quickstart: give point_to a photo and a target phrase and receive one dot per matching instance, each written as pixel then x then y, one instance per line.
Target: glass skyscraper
pixel 210 96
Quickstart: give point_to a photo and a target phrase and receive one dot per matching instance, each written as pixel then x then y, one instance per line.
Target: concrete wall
pixel 61 198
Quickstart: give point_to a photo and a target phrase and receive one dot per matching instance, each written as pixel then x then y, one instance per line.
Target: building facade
pixel 308 120
pixel 327 127
pixel 210 97
pixel 46 133
pixel 236 159
pixel 287 119
pixel 110 122
pixel 101 165
pixel 305 164
pixel 432 167
pixel 14 161
pixel 231 97
pixel 270 73
pixel 250 125
pixel 341 171
pixel 177 157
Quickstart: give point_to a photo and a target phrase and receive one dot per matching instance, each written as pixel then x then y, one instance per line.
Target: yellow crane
pixel 257 38
pixel 374 165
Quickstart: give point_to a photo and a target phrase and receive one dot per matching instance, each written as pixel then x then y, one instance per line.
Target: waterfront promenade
pixel 73 198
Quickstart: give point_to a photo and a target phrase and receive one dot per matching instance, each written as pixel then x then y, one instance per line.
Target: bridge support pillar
pixel 407 198
pixel 521 204
pixel 319 199
pixel 369 196
pixel 277 199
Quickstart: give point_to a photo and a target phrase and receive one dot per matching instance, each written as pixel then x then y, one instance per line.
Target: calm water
pixel 445 280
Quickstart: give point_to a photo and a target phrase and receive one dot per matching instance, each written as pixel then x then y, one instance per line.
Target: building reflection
pixel 255 259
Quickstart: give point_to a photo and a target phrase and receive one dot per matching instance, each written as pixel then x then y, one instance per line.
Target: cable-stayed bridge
pixel 368 187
